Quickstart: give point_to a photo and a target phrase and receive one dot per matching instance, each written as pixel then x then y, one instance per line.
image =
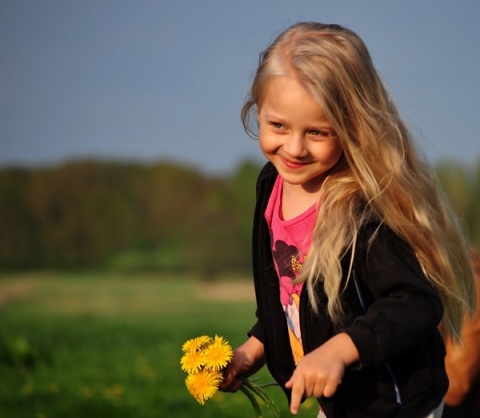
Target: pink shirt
pixel 291 241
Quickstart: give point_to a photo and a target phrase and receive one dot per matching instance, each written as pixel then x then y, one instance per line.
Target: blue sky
pixel 165 80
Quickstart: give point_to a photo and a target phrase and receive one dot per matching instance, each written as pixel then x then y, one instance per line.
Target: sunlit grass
pixel 91 345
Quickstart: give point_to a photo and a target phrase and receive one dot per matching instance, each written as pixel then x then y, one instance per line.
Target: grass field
pixel 93 345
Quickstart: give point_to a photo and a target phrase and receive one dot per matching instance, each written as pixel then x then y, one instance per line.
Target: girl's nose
pixel 295 146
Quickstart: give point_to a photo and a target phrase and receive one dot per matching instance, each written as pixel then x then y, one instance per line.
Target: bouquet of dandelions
pixel 204 360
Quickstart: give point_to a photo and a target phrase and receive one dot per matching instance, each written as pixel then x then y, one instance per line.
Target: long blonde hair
pixel 380 174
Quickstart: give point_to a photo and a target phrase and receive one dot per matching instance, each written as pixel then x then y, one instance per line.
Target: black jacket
pixel 397 338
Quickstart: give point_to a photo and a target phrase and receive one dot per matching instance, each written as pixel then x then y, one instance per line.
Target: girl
pixel 356 259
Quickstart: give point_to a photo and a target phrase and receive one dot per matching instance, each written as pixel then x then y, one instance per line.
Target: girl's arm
pixel 320 372
pixel 247 360
pixel 405 309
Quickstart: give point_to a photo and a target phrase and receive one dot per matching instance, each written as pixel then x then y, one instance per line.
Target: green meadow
pixel 98 345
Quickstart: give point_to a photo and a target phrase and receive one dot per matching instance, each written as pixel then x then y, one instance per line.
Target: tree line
pixel 161 216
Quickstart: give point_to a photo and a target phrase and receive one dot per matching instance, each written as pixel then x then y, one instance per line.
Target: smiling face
pixel 295 135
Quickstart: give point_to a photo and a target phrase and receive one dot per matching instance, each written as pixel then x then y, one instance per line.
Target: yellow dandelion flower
pixel 218 354
pixel 195 344
pixel 192 361
pixel 204 360
pixel 203 385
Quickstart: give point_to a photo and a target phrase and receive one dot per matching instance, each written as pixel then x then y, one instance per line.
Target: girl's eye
pixel 277 125
pixel 320 134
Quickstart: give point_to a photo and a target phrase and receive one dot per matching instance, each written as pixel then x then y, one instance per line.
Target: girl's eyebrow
pixel 271 114
pixel 274 117
pixel 320 121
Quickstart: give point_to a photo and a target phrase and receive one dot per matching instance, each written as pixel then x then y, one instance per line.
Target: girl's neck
pixel 296 200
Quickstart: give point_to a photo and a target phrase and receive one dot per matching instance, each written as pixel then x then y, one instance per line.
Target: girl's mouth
pixel 292 164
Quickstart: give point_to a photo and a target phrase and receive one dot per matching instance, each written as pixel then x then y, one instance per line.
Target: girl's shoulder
pixel 376 233
pixel 378 244
pixel 266 178
pixel 268 170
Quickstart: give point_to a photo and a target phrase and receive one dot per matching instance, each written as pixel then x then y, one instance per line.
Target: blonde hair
pixel 379 176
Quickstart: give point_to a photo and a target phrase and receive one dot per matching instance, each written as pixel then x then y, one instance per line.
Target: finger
pixel 298 389
pixel 229 376
pixel 318 390
pixel 227 380
pixel 331 387
pixel 235 385
pixel 231 386
pixel 309 388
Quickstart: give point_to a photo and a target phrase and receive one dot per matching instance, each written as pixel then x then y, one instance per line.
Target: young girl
pixel 356 259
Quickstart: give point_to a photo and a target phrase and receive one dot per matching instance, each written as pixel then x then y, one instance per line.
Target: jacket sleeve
pixel 264 183
pixel 405 309
pixel 256 331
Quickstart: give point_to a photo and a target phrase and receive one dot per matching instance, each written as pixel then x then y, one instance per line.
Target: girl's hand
pixel 247 360
pixel 320 372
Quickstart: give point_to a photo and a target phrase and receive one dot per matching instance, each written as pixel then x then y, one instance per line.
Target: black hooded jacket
pixel 401 371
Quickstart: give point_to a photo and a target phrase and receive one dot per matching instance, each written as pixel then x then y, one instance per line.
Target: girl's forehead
pixel 281 88
pixel 287 98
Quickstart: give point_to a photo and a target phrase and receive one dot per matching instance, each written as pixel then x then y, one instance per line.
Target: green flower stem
pixel 253 401
pixel 267 385
pixel 258 390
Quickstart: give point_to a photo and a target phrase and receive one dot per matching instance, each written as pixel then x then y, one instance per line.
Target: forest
pixel 165 217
